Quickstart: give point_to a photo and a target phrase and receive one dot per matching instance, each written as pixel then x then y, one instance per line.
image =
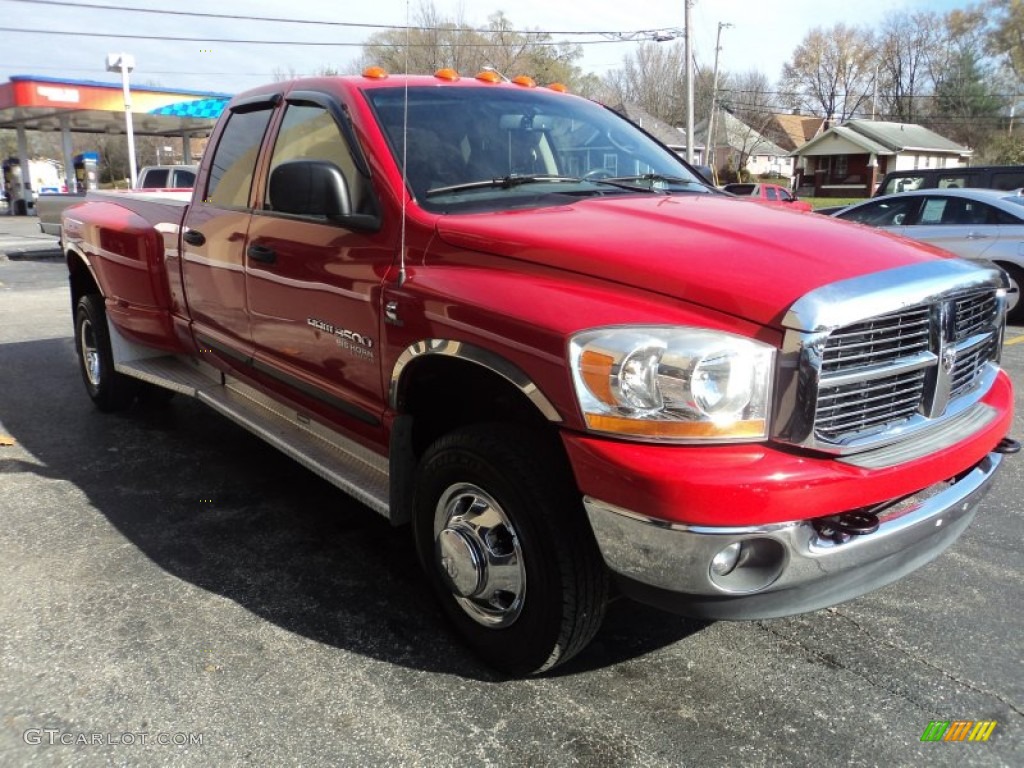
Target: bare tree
pixel 1006 33
pixel 907 42
pixel 832 71
pixel 747 108
pixel 653 77
pixel 438 42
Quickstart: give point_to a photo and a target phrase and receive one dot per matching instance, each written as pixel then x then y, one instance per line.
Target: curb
pixel 33 254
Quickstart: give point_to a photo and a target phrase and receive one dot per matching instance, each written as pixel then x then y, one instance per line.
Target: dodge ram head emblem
pixel 948 359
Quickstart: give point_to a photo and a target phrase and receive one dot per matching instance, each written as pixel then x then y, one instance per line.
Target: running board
pixel 340 461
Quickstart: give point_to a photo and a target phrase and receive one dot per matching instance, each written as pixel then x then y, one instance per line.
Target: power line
pixel 319 43
pixel 234 73
pixel 623 36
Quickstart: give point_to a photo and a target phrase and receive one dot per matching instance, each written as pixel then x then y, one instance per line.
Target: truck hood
pixel 747 260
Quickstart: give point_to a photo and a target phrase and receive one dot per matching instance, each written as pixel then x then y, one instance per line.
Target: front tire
pixel 502 535
pixel 108 389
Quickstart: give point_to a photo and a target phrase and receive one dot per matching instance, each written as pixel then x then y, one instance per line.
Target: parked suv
pixel 1004 177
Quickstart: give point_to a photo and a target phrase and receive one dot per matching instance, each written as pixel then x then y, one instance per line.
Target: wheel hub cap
pixel 460 562
pixel 479 555
pixel 90 354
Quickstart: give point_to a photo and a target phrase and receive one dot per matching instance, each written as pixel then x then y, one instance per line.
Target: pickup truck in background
pixel 508 316
pixel 50 207
pixel 768 194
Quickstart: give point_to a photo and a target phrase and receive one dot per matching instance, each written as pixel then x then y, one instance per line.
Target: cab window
pixel 234 160
pixel 308 132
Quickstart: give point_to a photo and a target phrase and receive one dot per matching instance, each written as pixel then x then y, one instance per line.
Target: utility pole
pixel 689 82
pixel 874 93
pixel 714 97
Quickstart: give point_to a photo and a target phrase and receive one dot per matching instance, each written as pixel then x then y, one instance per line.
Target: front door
pixel 313 285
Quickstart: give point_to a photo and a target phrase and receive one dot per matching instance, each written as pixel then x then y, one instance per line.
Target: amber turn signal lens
pixel 596 369
pixel 678 430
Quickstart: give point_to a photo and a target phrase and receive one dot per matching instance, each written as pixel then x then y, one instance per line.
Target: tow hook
pixel 842 528
pixel 1008 446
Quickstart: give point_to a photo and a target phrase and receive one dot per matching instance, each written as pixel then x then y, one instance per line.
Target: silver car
pixel 970 223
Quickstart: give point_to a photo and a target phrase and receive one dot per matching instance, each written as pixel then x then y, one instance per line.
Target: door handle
pixel 977 236
pixel 193 237
pixel 262 254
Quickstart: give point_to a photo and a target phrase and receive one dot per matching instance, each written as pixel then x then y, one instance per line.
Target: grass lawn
pixel 823 202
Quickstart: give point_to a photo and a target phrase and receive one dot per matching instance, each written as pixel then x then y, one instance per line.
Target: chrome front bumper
pixel 789 567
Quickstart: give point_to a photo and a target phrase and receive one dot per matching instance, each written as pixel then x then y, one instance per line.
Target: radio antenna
pixel 405 152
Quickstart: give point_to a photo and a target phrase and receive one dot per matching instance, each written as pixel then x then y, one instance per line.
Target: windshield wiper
pixel 633 182
pixel 504 182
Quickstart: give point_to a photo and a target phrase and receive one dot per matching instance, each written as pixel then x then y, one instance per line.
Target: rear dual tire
pixel 109 390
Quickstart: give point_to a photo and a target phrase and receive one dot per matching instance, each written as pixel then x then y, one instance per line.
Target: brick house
pixel 848 160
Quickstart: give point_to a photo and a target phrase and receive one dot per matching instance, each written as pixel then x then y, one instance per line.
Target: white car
pixel 969 223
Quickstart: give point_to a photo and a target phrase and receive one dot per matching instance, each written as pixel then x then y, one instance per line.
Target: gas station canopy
pixel 83 106
pixel 30 103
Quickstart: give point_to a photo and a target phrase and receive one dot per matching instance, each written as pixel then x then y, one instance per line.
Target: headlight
pixel 676 384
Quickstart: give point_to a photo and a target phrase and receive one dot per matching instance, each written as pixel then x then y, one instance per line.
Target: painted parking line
pixel 1014 340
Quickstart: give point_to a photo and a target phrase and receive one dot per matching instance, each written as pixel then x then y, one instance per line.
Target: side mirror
pixel 705 173
pixel 310 188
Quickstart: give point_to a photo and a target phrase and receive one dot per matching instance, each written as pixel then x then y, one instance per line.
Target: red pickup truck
pixel 511 318
pixel 769 194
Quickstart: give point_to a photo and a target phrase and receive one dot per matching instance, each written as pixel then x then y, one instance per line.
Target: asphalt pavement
pixel 177 593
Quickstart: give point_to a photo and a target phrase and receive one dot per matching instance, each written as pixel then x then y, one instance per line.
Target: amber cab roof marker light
pixel 558 87
pixel 525 81
pixel 447 73
pixel 375 73
pixel 489 76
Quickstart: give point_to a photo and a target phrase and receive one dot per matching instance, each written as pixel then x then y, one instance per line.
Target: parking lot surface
pixel 177 593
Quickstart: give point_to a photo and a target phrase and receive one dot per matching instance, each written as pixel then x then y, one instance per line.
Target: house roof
pixel 882 138
pixel 659 129
pixel 732 132
pixel 796 130
pixel 905 136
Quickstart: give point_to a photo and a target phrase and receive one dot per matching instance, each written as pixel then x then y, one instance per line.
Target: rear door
pixel 314 285
pixel 962 226
pixel 216 226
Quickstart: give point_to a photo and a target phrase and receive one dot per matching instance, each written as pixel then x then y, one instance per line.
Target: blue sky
pixel 763 36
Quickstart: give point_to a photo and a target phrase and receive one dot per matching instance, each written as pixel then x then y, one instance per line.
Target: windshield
pixel 490 148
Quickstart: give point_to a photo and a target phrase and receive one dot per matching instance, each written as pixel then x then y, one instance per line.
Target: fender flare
pixel 478 356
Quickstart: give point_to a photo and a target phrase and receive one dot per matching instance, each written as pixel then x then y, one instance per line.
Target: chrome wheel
pixel 90 353
pixel 478 554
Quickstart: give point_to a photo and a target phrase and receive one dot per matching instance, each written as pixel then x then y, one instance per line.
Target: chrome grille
pixel 861 406
pixel 975 314
pixel 969 367
pixel 877 342
pixel 884 372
